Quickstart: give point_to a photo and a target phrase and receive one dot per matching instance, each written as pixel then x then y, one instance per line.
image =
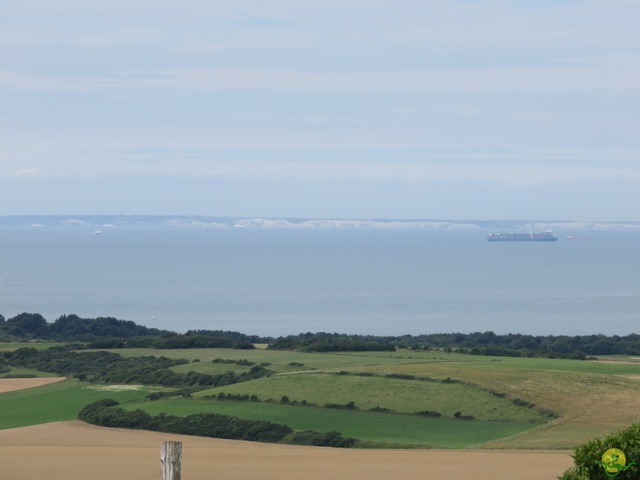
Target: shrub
pixel 347 406
pixel 104 413
pixel 381 410
pixel 318 439
pixel 401 376
pixel 588 457
pixel 460 416
pixel 246 363
pixel 429 413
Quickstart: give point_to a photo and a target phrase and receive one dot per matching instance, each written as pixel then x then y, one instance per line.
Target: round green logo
pixel 614 461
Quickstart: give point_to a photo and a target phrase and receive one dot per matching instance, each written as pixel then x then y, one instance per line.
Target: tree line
pixel 476 343
pixel 516 344
pixel 110 367
pixel 107 413
pixel 109 332
pixel 72 328
pixel 324 342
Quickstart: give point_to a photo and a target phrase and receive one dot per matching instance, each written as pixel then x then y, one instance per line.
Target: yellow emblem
pixel 614 461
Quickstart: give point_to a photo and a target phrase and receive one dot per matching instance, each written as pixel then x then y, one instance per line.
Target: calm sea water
pixel 279 282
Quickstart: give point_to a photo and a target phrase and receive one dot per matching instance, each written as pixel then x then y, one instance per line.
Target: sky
pixel 439 109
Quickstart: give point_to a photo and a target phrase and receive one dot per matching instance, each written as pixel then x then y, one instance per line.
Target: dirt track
pixel 77 451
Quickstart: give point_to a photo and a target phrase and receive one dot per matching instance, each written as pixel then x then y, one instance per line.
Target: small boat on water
pixel 571 237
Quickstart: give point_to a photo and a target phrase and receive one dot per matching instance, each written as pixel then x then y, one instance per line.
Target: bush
pixel 401 376
pixel 522 403
pixel 429 413
pixel 588 457
pixel 112 368
pixel 318 439
pixel 104 413
pixel 460 416
pixel 381 410
pixel 347 406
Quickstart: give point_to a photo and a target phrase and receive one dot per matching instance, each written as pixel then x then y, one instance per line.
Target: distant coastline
pixel 187 221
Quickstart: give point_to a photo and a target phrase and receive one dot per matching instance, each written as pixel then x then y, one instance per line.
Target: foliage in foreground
pixel 588 457
pixel 105 413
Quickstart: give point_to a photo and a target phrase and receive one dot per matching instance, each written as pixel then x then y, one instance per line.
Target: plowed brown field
pixel 11 384
pixel 77 451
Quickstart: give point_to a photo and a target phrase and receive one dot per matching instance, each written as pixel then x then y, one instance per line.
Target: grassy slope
pixel 593 398
pixel 376 428
pixel 55 402
pixel 403 396
pixel 280 360
pixel 360 361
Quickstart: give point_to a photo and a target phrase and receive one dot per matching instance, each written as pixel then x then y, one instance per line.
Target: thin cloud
pixel 411 172
pixel 328 95
pixel 118 38
pixel 26 173
pixel 613 74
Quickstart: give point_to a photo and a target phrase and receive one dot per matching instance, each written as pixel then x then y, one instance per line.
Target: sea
pixel 276 282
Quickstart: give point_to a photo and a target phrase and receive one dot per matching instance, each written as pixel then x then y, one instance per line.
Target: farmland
pixel 77 451
pixel 384 399
pixel 57 401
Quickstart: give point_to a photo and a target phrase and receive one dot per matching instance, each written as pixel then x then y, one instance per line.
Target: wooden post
pixel 170 460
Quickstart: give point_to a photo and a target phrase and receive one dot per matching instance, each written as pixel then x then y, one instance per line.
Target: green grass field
pixel 280 361
pixel 375 429
pixel 592 398
pixel 57 402
pixel 398 395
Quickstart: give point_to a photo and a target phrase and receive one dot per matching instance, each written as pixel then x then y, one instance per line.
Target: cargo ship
pixel 522 237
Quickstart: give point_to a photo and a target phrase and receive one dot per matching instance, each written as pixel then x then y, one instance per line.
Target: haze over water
pixel 287 281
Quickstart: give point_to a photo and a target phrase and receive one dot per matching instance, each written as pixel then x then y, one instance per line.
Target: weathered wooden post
pixel 170 460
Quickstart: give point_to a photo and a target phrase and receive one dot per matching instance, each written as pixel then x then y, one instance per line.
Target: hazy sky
pixel 458 109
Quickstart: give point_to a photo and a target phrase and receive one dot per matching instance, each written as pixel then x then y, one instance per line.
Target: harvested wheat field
pixel 77 451
pixel 12 384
